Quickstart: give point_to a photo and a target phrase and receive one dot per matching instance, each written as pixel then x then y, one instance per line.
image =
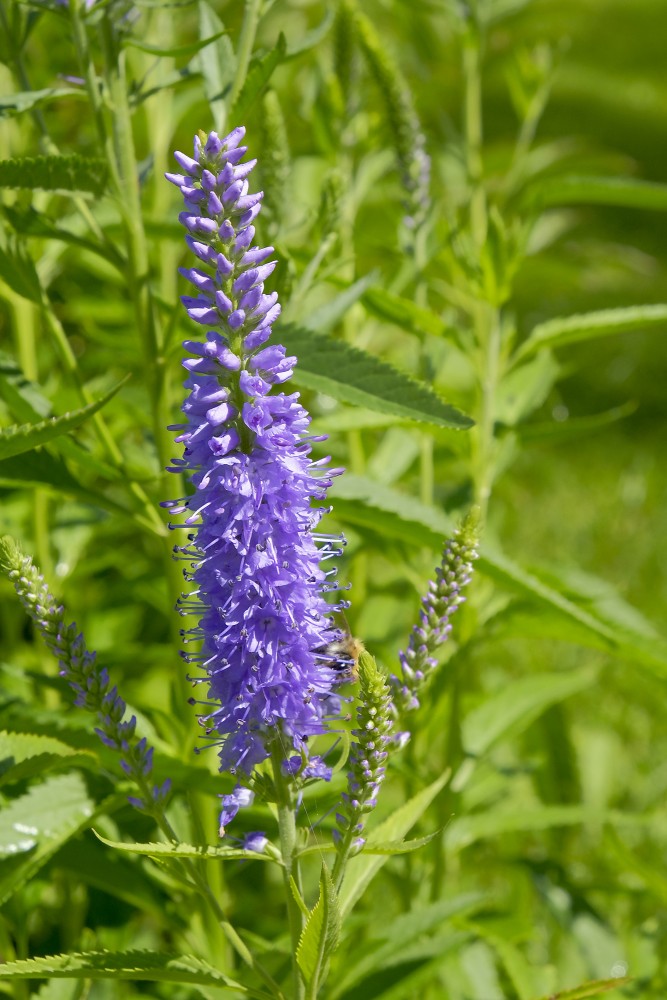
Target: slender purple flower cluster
pixel 264 624
pixel 368 755
pixel 79 668
pixel 442 600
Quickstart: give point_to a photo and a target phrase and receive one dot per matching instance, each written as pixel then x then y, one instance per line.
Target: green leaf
pixel 298 898
pixel 363 869
pixel 403 312
pixel 323 320
pixel 35 825
pixel 400 846
pixel 16 104
pixel 319 937
pixel 400 934
pixel 621 638
pixel 23 755
pixel 525 388
pixel 113 873
pixel 17 270
pixel 18 439
pixel 39 468
pixel 588 326
pixel 624 192
pixel 30 222
pixel 512 710
pixel 174 51
pixel 352 376
pixel 152 966
pixel 174 850
pixel 260 72
pixel 573 428
pixel 309 39
pixel 592 989
pixel 467 830
pixel 217 63
pixel 68 172
pixel 363 502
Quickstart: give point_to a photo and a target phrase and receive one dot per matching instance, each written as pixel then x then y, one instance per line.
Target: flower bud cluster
pixel 368 755
pixel 443 598
pixel 79 668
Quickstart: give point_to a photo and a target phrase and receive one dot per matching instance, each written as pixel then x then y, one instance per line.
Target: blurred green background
pixel 562 827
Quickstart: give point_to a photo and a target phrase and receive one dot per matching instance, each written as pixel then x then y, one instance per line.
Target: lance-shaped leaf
pixel 216 62
pixel 152 966
pixel 591 989
pixel 319 937
pixel 353 376
pixel 16 104
pixel 69 172
pixel 177 850
pixel 363 869
pixel 624 192
pixel 35 825
pixel 23 755
pixel 590 326
pixel 259 74
pixel 24 437
pixel 174 51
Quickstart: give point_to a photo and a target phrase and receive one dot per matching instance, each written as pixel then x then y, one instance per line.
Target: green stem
pixel 488 326
pixel 246 42
pixel 473 132
pixel 288 846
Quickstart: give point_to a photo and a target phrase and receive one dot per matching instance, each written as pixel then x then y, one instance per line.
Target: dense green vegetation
pixel 544 122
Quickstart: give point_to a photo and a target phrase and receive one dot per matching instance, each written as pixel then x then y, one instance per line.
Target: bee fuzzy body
pixel 342 656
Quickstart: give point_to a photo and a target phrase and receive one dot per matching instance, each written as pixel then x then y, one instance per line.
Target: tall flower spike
pixel 264 624
pixel 442 600
pixel 367 757
pixel 79 668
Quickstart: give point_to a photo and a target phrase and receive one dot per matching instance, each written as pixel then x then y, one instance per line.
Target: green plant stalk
pixel 291 869
pixel 246 41
pixel 473 134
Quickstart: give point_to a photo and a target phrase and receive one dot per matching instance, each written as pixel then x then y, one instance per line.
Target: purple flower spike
pixel 258 586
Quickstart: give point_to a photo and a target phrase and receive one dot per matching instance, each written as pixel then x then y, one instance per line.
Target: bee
pixel 342 656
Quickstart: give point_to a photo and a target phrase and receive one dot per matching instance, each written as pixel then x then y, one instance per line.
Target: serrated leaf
pixel 16 104
pixel 207 853
pixel 319 937
pixel 589 326
pixel 217 63
pixel 400 846
pixel 352 376
pixel 23 755
pixel 67 172
pixel 17 270
pixel 591 989
pixel 35 825
pixel 624 192
pixel 260 72
pixel 20 438
pixel 363 869
pixel 152 966
pixel 175 51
